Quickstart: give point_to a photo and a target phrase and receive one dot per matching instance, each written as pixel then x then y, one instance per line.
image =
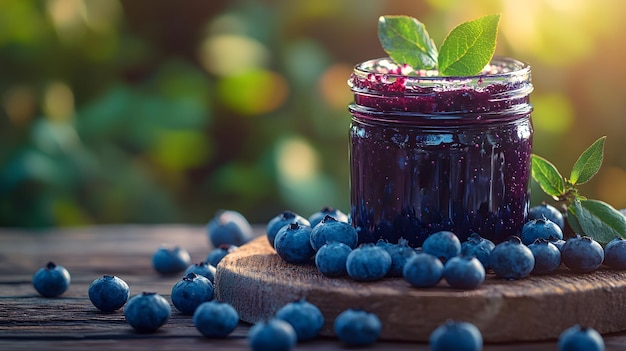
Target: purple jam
pixel 431 153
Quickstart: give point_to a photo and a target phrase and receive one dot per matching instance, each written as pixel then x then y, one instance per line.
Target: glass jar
pixel 431 153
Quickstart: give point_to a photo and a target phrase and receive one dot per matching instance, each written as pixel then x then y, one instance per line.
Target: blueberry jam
pixel 431 153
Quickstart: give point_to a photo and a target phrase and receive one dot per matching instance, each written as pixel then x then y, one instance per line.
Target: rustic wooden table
pixel 70 322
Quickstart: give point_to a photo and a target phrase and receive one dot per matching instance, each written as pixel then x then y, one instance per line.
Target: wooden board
pixel 258 282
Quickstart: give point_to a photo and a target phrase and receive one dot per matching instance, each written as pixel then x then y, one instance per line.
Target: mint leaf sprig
pixel 593 218
pixel 465 51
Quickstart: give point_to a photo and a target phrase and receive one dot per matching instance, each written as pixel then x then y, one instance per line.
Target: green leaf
pixel 547 176
pixel 469 47
pixel 406 41
pixel 572 221
pixel 589 162
pixel 598 220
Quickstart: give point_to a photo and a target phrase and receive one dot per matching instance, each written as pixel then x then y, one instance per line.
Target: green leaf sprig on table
pixel 465 51
pixel 593 218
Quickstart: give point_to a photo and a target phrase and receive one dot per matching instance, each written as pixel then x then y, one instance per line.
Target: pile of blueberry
pixel 327 240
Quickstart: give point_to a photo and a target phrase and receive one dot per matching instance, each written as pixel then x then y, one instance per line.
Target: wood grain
pixel 257 282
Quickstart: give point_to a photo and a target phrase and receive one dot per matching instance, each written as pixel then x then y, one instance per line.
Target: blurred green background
pixel 152 111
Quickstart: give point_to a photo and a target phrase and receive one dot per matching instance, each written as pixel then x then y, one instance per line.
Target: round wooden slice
pixel 257 283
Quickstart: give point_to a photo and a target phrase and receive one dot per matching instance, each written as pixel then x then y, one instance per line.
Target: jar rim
pixel 500 67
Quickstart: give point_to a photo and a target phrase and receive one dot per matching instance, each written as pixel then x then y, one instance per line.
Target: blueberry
pixel 582 254
pixel 293 243
pixel 108 293
pixel 191 291
pixel 540 228
pixel 331 259
pixel 217 254
pixel 368 262
pixel 577 338
pixel 204 269
pixel 511 259
pixel 547 256
pixel 272 335
pixel 456 336
pixel 400 253
pixel 615 253
pixel 318 216
pixel 170 260
pixel 477 246
pixel 51 280
pixel 147 312
pixel 357 328
pixel 229 227
pixel 215 319
pixel 464 272
pixel 557 242
pixel 329 229
pixel 306 319
pixel 547 211
pixel 281 220
pixel 423 270
pixel 443 244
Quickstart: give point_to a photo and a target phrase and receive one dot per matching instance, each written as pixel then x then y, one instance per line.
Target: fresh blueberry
pixel 443 245
pixel 540 228
pixel 547 211
pixel 400 253
pixel 204 269
pixel 330 229
pixel 511 259
pixel 357 328
pixel 577 338
pixel 318 216
pixel 293 243
pixel 272 335
pixel 108 293
pixel 615 253
pixel 368 262
pixel 171 260
pixel 477 246
pixel 215 319
pixel 229 227
pixel 281 220
pixel 147 312
pixel 191 291
pixel 331 259
pixel 215 256
pixel 582 254
pixel 306 319
pixel 464 272
pixel 51 280
pixel 557 242
pixel 547 256
pixel 456 336
pixel 423 270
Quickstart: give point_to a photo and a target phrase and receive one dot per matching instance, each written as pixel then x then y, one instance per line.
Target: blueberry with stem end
pixel 108 293
pixel 191 291
pixel 577 338
pixel 477 246
pixel 293 243
pixel 147 312
pixel 51 280
pixel 540 228
pixel 511 259
pixel 443 245
pixel 329 229
pixel 547 211
pixel 318 216
pixel 400 253
pixel 204 269
pixel 281 220
pixel 547 257
pixel 582 254
pixel 615 253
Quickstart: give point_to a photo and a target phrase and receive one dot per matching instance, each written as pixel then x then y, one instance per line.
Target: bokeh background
pixel 154 111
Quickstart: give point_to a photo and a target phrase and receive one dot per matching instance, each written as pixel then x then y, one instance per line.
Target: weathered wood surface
pixel 70 322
